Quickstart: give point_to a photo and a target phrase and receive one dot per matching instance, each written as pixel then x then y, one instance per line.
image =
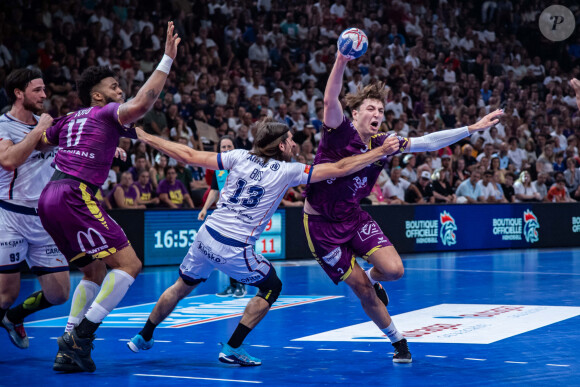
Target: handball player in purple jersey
pixel 336 227
pixel 82 230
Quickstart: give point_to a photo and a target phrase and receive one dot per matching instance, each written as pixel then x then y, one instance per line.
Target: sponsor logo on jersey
pixel 251 279
pixel 257 160
pixel 307 169
pixel 333 257
pixel 368 230
pixel 275 166
pixel 79 153
pixel 83 237
pixel 12 243
pixel 207 251
pixel 51 251
pixel 358 184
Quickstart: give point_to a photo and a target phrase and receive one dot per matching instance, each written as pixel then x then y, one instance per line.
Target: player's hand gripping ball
pixel 352 43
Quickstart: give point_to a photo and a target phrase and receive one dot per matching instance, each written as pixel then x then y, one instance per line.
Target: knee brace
pixel 270 289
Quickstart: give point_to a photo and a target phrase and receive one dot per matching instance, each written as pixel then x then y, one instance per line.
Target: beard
pixel 32 107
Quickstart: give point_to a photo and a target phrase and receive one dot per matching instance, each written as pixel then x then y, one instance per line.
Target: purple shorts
pixel 335 245
pixel 76 221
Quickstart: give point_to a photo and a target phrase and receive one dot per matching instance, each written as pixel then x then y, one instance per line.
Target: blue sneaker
pixel 138 342
pixel 239 356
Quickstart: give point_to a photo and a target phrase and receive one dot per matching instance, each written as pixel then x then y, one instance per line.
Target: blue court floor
pixel 475 318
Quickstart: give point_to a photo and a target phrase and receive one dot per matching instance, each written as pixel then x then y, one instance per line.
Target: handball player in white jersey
pixel 23 174
pixel 255 186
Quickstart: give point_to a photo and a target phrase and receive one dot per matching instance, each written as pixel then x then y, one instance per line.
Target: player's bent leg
pixel 163 308
pixel 387 264
pixel 9 289
pixel 55 286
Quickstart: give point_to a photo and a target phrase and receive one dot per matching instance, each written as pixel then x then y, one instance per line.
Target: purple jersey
pixel 131 195
pixel 145 193
pixel 175 191
pixel 338 199
pixel 87 140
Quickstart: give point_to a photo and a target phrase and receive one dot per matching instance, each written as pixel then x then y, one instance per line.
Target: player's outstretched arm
pixel 136 108
pixel 443 138
pixel 575 83
pixel 354 164
pixel 14 155
pixel 332 107
pixel 179 152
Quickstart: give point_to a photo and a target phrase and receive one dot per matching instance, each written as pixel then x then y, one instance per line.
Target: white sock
pixel 369 275
pixel 83 297
pixel 392 333
pixel 114 288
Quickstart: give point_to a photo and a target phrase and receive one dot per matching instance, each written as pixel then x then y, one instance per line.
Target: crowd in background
pixel 446 64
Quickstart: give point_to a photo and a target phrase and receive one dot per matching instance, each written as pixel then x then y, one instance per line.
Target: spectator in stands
pixel 125 195
pixel 408 172
pixel 572 177
pixel 442 190
pixel 525 191
pixel 540 185
pixel 394 190
pixel 558 192
pixel 468 191
pixel 172 193
pixel 421 192
pixel 146 194
pixel 508 187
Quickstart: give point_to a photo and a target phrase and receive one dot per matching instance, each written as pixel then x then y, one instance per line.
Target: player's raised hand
pixel 486 122
pixel 391 145
pixel 575 83
pixel 172 41
pixel 121 154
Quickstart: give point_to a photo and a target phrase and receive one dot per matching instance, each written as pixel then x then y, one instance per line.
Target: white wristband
pixel 165 64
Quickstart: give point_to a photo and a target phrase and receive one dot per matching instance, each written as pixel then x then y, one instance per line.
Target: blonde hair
pixel 374 90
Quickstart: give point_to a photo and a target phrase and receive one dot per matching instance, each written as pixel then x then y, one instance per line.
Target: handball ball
pixel 352 43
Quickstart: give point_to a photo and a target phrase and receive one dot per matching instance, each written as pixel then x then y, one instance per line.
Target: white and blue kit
pixel 251 194
pixel 22 237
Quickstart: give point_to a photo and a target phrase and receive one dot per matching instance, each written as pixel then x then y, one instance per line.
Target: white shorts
pixel 212 250
pixel 23 239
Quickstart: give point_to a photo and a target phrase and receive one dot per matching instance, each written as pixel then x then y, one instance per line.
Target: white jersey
pixel 252 193
pixel 26 182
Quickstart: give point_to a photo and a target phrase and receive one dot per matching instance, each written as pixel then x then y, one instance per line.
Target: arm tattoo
pixel 151 94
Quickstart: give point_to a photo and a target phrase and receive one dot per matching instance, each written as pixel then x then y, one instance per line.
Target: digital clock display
pixel 168 235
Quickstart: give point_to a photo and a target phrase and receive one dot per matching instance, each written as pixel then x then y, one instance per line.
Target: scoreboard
pixel 168 235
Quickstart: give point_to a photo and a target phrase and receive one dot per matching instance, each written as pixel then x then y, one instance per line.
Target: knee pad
pixel 270 289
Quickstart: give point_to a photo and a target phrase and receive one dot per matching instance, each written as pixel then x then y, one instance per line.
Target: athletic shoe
pixel 227 292
pixel 239 356
pixel 79 349
pixel 16 332
pixel 240 291
pixel 139 343
pixel 402 354
pixel 64 363
pixel 381 293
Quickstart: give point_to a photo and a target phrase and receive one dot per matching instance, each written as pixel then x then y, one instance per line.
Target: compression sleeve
pixel 437 140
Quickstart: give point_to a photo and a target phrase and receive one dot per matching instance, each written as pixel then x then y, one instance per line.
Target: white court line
pixel 438 356
pixel 124 340
pixel 258 345
pixel 490 271
pixel 516 362
pixel 163 341
pixel 558 365
pixel 471 358
pixel 31 337
pixel 194 342
pixel 358 350
pixel 196 378
pixel 53 338
pixel 99 339
pixel 327 349
pixel 294 347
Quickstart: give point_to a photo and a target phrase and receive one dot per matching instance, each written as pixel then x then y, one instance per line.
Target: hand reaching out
pixel 172 41
pixel 486 122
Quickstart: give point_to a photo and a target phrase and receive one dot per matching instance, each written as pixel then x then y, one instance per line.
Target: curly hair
pixel 374 90
pixel 91 77
pixel 269 135
pixel 20 79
